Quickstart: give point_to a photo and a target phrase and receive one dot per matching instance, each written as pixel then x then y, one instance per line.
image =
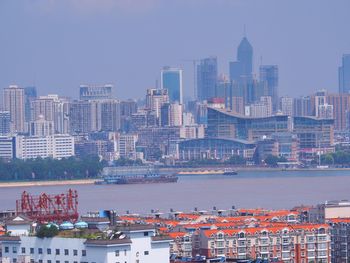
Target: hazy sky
pixel 59 44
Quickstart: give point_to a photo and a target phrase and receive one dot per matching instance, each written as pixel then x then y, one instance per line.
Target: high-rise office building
pixel 171 79
pixel 243 67
pixel 155 98
pixel 52 108
pixel 286 105
pixel 325 111
pixel 109 112
pixel 41 127
pixel 30 94
pixel 302 106
pixel 269 75
pixel 80 117
pixel 344 74
pixel 60 114
pixel 42 107
pixel 94 115
pixel 341 108
pixel 90 92
pixel 260 109
pixel 5 122
pixel 207 75
pixel 171 114
pixel 14 102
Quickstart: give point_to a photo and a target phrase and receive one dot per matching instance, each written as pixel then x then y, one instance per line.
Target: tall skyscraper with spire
pixel 243 67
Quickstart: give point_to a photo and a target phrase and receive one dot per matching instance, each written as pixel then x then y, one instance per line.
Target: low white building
pixel 55 146
pixel 7 147
pixel 19 226
pixel 138 244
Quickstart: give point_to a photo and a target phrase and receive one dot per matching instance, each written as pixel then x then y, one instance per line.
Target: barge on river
pixel 135 175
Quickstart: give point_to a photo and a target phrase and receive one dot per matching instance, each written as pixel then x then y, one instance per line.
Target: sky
pixel 57 45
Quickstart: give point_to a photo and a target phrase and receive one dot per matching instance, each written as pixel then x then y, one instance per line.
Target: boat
pixel 229 172
pixel 134 175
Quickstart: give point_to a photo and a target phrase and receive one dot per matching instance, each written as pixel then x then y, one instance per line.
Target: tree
pixel 272 160
pixel 45 231
pixel 327 159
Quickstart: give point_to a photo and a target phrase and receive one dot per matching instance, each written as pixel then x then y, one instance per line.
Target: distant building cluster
pixel 239 114
pixel 303 234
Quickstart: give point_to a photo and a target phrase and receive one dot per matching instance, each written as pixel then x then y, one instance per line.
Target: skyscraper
pixel 286 105
pixel 341 108
pixel 5 121
pixel 269 75
pixel 155 98
pixel 14 103
pixel 344 75
pixel 30 94
pixel 171 79
pixel 243 67
pixel 207 74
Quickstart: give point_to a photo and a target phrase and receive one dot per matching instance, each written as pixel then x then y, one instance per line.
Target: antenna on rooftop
pixel 244 31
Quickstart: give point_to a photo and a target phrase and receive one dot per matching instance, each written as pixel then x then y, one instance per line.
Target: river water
pixel 248 189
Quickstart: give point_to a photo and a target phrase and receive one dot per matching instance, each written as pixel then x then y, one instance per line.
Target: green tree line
pixel 50 169
pixel 337 158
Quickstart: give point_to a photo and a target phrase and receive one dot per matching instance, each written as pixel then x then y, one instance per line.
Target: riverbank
pixel 47 183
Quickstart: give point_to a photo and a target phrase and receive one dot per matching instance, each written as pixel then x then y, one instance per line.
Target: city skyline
pixel 295 46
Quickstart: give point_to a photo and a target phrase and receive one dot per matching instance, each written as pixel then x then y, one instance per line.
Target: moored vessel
pixel 135 175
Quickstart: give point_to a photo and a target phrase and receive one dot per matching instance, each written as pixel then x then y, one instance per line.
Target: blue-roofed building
pixel 223 123
pixel 215 148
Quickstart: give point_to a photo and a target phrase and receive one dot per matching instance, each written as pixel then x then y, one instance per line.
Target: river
pixel 248 189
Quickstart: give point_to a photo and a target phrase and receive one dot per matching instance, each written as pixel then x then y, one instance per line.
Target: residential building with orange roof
pixel 299 243
pixel 181 245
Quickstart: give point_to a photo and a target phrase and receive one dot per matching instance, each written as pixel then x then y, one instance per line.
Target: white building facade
pixel 139 245
pixel 56 146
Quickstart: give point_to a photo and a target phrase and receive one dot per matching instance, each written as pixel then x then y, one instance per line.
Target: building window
pixel 14 250
pixel 14 260
pixel 31 250
pixel 23 250
pixel 146 253
pixel 40 261
pixel 6 249
pixel 117 253
pixel 75 252
pixel 57 251
pixel 49 251
pixel 145 234
pixel 49 261
pixel 57 261
pixel 83 253
pixel 66 253
pixel 40 250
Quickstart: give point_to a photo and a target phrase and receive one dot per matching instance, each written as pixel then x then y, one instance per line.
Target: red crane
pixel 49 208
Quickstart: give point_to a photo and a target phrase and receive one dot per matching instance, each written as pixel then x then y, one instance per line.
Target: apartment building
pixel 299 243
